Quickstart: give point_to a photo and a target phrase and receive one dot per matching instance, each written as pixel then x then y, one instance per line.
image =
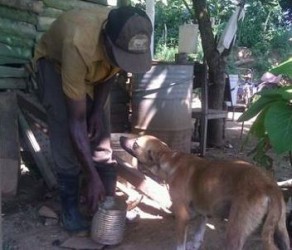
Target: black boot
pixel 71 218
pixel 108 175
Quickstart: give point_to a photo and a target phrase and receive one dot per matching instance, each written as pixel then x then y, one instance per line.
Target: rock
pixel 47 212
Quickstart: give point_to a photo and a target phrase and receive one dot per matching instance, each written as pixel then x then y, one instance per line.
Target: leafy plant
pixel 273 124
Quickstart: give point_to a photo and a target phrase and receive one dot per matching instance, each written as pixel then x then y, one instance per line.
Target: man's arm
pixel 78 132
pixel 101 92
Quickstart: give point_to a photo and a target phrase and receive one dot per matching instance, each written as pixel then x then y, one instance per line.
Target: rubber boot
pixel 71 218
pixel 108 175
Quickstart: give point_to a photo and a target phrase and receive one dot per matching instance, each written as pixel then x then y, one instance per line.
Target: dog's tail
pixel 274 229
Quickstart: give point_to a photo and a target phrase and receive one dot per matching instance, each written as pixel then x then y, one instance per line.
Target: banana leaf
pixel 278 123
pixel 284 68
pixel 257 107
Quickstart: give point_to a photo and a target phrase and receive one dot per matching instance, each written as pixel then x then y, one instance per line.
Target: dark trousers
pixel 53 99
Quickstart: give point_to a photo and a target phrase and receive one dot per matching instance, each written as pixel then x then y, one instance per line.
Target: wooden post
pixel 9 144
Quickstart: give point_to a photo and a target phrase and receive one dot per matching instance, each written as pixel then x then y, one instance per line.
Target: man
pixel 76 60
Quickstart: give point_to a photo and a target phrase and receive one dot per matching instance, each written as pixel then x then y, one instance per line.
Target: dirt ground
pixel 24 229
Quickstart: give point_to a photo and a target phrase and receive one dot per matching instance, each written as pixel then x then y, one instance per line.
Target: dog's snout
pixel 127 144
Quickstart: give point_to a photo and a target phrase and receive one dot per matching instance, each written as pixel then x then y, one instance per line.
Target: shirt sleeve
pixel 73 72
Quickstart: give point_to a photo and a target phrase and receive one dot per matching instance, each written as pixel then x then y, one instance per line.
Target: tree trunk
pixel 216 64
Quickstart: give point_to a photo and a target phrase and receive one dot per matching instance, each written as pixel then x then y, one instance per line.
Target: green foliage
pixel 165 53
pixel 266 32
pixel 273 123
pixel 284 68
pixel 168 18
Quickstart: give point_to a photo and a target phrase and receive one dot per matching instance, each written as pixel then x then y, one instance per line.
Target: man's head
pixel 128 35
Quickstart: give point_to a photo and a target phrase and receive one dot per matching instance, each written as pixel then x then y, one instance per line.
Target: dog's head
pixel 147 149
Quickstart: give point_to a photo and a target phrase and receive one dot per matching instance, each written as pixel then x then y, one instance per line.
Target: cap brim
pixel 133 63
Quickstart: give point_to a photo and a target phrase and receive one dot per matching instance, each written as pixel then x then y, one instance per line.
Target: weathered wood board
pixel 9 144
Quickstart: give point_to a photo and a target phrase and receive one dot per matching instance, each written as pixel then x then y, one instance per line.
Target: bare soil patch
pixel 24 229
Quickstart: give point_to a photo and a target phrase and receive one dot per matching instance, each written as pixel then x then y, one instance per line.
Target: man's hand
pixel 95 191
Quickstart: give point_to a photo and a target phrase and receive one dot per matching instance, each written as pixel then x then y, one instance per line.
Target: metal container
pixel 108 224
pixel 161 104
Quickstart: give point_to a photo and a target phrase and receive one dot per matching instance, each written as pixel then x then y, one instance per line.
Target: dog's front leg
pixel 199 231
pixel 182 221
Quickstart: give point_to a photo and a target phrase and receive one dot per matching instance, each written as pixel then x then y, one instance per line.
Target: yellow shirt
pixel 74 43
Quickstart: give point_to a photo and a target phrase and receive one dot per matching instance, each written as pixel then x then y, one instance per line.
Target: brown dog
pixel 235 190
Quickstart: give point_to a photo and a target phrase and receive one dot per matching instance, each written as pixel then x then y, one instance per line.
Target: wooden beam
pixel 9 145
pixel 18 15
pixel 12 83
pixel 30 5
pixel 20 29
pixel 14 52
pixel 10 60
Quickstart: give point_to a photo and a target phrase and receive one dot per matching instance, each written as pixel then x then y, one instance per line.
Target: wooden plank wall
pixel 9 143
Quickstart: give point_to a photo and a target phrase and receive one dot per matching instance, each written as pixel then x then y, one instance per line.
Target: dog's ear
pixel 150 155
pixel 153 156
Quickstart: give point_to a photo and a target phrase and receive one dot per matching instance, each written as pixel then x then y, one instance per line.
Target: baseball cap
pixel 129 31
